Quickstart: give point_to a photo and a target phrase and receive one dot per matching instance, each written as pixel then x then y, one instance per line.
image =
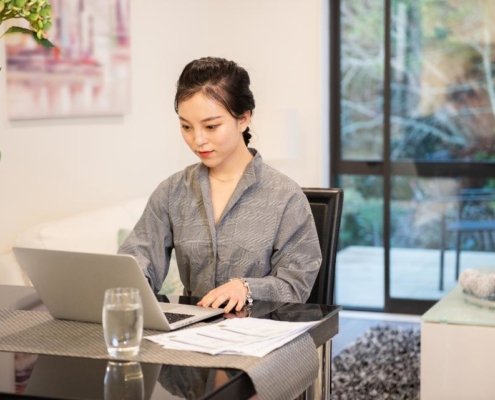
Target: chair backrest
pixel 326 205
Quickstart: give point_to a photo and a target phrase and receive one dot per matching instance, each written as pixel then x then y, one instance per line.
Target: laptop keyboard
pixel 174 317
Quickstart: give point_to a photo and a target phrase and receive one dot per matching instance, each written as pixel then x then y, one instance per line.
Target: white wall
pixel 54 168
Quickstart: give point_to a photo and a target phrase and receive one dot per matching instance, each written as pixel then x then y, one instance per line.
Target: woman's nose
pixel 200 137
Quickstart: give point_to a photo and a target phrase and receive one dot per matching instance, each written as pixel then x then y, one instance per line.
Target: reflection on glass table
pixel 124 381
pixel 57 377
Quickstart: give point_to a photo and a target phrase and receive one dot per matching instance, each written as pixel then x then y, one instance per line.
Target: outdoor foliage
pixel 443 92
pixel 416 213
pixel 442 109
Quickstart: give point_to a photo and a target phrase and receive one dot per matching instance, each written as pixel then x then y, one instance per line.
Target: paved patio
pixel 414 274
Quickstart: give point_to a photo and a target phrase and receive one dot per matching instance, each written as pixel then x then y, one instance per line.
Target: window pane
pixel 360 269
pixel 442 88
pixel 428 215
pixel 362 79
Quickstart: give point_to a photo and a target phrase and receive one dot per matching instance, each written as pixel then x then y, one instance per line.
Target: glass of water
pixel 123 381
pixel 122 321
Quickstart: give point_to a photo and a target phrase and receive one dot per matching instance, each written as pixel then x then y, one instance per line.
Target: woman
pixel 240 229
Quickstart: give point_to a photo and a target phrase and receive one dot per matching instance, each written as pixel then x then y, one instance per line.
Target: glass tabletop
pixel 49 376
pixel 58 377
pixel 456 308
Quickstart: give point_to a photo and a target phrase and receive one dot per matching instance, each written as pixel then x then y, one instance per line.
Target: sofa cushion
pixel 92 231
pixel 96 231
pixel 10 271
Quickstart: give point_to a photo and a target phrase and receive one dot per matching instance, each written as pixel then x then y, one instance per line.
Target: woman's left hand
pixel 234 292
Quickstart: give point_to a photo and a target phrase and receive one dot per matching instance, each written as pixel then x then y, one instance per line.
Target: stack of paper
pixel 241 336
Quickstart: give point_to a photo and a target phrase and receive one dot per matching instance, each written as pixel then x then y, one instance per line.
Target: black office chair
pixel 326 205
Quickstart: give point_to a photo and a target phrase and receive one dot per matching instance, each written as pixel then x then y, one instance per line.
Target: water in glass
pixel 122 321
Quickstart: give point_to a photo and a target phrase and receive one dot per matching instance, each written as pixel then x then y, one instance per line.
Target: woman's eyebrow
pixel 203 120
pixel 210 118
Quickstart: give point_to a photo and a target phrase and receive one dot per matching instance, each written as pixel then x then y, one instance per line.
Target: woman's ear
pixel 244 121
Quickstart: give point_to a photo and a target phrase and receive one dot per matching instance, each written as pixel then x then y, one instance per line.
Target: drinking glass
pixel 123 381
pixel 122 321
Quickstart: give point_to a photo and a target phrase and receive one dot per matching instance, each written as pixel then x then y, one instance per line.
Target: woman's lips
pixel 205 154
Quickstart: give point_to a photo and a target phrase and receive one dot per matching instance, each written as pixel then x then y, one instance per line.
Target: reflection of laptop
pixel 58 377
pixel 72 286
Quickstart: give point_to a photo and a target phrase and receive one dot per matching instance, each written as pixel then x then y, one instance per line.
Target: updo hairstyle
pixel 220 80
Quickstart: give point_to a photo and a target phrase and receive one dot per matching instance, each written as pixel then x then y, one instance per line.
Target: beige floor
pixel 414 274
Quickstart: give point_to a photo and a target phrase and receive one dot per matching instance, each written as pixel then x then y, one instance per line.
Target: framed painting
pixel 87 74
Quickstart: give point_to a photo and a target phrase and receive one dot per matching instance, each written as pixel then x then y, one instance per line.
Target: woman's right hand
pixel 233 292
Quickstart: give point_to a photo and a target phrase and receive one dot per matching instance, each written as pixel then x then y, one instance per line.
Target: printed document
pixel 241 336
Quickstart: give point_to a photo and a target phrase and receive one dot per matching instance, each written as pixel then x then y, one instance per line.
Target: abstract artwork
pixel 87 74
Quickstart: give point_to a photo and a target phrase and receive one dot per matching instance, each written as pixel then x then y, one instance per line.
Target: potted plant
pixel 36 12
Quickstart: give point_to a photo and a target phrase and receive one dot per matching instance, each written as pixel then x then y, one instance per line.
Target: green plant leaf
pixel 42 42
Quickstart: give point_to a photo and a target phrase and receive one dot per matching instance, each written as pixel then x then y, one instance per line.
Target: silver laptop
pixel 72 286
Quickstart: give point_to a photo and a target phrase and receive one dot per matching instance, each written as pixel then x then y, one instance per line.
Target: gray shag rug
pixel 383 363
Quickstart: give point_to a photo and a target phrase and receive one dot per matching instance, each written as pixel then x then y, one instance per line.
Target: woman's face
pixel 211 132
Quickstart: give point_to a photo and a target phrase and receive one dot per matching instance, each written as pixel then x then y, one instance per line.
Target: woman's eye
pixel 211 127
pixel 185 127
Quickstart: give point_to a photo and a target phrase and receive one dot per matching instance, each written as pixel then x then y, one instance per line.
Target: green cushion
pixel 122 235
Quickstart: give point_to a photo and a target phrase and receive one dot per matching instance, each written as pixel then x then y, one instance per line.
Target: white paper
pixel 242 336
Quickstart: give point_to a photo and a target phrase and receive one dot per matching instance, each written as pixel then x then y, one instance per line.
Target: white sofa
pixel 96 231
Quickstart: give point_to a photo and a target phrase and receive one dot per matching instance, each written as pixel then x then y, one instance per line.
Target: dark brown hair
pixel 220 80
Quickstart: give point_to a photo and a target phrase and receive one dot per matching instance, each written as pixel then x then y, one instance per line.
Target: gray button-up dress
pixel 266 234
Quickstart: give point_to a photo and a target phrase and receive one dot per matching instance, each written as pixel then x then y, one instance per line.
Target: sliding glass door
pixel 413 146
